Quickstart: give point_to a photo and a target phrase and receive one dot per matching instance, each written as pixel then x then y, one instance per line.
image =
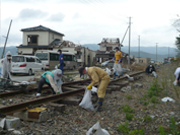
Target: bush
pixel 137 132
pixel 127 109
pixel 124 128
pixel 153 100
pixel 129 116
pixel 154 89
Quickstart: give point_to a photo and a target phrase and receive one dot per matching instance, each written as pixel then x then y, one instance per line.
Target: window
pixel 32 39
pixel 17 59
pixel 67 57
pixel 75 58
pixel 30 59
pixel 38 61
pixel 54 57
pixel 108 48
pixel 42 56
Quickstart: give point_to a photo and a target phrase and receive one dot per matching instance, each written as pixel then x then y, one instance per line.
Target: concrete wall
pixel 25 50
pixel 104 48
pixel 142 60
pixel 44 37
pixel 53 36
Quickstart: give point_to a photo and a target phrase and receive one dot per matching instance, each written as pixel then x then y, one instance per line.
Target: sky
pixel 89 21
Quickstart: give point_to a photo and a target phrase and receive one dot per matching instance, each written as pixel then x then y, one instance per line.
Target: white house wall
pixel 43 37
pixel 104 48
pixel 25 50
pixel 53 36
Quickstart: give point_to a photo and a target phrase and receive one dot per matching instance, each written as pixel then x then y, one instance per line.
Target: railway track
pixel 69 89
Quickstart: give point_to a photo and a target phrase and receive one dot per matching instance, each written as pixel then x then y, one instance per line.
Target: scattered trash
pixel 130 78
pixel 94 89
pixel 166 99
pixel 108 71
pixel 9 123
pixel 24 83
pixel 2 122
pixel 175 82
pixel 154 74
pixel 86 102
pixel 97 130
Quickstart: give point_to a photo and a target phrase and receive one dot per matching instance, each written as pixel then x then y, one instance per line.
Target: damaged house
pixel 107 49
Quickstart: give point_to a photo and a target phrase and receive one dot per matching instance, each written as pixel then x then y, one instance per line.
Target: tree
pixel 177 44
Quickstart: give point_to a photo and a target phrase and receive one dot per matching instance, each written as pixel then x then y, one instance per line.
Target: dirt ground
pixel 147 115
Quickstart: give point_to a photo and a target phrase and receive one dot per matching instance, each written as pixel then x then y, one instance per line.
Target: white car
pixel 26 64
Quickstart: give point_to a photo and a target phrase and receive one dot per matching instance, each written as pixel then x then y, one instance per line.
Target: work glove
pixel 89 87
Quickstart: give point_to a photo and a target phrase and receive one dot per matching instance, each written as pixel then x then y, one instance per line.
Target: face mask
pixel 9 57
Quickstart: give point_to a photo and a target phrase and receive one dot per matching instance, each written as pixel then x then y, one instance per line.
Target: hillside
pixel 145 52
pixel 12 49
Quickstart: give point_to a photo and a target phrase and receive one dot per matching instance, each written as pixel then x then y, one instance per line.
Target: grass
pixel 129 97
pixel 124 128
pixel 173 128
pixel 129 116
pixel 127 109
pixel 147 118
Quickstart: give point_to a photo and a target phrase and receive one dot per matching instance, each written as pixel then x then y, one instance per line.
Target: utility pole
pixel 129 39
pixel 156 52
pixel 6 40
pixel 139 48
pixel 168 52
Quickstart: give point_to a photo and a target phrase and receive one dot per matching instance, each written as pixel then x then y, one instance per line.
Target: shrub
pixel 137 132
pixel 124 128
pixel 129 116
pixel 127 109
pixel 147 118
pixel 154 89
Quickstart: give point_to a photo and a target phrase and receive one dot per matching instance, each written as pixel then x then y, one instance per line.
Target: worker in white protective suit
pixel 6 66
pixel 177 75
pixel 53 79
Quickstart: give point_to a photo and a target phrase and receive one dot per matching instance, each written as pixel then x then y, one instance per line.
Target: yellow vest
pixel 117 56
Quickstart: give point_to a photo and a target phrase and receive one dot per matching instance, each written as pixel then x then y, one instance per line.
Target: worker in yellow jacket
pixel 117 60
pixel 98 76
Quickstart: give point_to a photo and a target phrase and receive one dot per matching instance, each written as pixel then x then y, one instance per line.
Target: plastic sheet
pixel 97 130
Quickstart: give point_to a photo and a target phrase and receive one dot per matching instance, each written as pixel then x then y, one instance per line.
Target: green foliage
pixel 154 89
pixel 164 81
pixel 145 103
pixel 127 109
pixel 124 128
pixel 147 118
pixel 137 132
pixel 129 97
pixel 174 128
pixel 129 116
pixel 161 130
pixel 153 99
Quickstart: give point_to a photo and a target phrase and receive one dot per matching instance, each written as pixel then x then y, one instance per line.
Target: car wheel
pixel 30 72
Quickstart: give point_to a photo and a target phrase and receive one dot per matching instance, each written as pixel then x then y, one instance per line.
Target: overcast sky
pixel 88 21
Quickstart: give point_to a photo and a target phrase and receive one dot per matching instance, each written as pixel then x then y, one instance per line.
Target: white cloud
pixel 88 21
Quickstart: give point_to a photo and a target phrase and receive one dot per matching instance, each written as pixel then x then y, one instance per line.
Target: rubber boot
pixel 99 105
pixel 114 76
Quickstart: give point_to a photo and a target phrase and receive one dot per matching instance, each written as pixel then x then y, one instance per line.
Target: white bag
pixel 86 102
pixel 108 71
pixel 175 82
pixel 97 130
pixel 154 74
